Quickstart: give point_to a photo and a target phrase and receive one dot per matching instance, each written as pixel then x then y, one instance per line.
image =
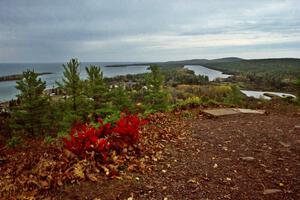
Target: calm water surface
pixel 260 94
pixel 212 74
pixel 8 90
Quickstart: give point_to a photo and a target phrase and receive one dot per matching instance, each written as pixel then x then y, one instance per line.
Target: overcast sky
pixel 147 30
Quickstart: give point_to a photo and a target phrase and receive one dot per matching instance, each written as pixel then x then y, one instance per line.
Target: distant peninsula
pixel 16 77
pixel 182 62
pixel 234 65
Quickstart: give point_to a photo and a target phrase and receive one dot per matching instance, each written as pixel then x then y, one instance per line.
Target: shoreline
pixel 127 65
pixel 16 77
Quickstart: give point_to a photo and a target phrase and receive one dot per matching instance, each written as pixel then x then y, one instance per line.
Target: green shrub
pixel 61 134
pixel 48 139
pixel 157 100
pixel 235 97
pixel 108 115
pixel 189 102
pixel 14 141
pixel 193 102
pixel 298 89
pixel 121 98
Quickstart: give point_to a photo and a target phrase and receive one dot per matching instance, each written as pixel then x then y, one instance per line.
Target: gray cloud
pixel 143 30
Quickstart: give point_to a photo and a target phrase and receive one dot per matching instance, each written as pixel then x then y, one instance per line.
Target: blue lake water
pixel 8 90
pixel 212 74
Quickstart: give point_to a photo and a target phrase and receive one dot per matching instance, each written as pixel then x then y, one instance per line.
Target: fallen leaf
pixel 192 181
pixel 78 171
pixel 92 177
pixel 60 183
pixel 271 191
pixel 248 158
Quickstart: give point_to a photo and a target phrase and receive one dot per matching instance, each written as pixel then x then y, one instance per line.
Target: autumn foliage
pixel 99 139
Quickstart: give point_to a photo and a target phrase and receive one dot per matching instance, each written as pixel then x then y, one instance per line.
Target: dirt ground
pixel 230 157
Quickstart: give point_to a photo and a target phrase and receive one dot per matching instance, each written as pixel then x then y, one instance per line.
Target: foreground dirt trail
pixel 231 157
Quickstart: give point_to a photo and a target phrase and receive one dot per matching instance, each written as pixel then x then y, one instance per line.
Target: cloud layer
pixel 147 30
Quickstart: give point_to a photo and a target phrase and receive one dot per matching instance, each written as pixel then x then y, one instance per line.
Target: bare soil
pixel 232 157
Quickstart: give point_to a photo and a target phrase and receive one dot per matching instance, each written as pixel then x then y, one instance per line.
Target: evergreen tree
pixel 33 104
pixel 121 98
pixel 156 98
pixel 71 83
pixel 155 79
pixel 96 88
pixel 235 96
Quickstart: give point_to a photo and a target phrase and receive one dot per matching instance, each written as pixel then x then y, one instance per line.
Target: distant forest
pixel 273 74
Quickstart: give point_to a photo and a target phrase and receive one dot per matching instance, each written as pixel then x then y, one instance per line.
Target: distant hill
pixel 235 65
pixel 202 61
pixel 183 62
pixel 287 66
pixel 228 59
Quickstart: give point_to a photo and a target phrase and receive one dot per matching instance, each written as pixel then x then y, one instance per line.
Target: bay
pixel 8 90
pixel 212 74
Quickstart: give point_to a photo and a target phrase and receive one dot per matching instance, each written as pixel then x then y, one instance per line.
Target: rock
pixel 149 187
pixel 297 127
pixel 281 184
pixel 263 165
pixel 228 179
pixel 278 129
pixel 271 191
pixel 248 158
pixel 268 171
pixel 286 145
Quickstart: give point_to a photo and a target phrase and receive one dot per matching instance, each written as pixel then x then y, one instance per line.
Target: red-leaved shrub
pixel 85 138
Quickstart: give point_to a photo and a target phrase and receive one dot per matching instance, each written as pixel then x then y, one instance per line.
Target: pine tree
pixel 156 97
pixel 96 88
pixel 33 107
pixel 121 98
pixel 155 79
pixel 71 82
